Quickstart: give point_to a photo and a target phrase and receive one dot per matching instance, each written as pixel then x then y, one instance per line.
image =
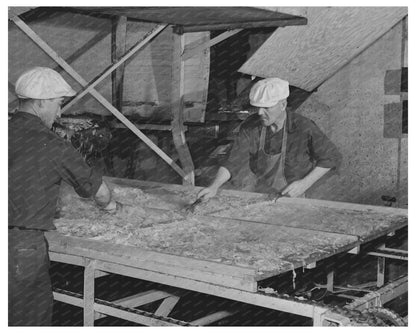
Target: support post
pixel 178 131
pixel 330 281
pixel 89 286
pixel 381 265
pixel 118 49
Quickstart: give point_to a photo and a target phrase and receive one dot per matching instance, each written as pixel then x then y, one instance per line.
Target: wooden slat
pixel 189 52
pixel 131 316
pixel 167 305
pixel 212 318
pixel 150 127
pixel 232 276
pixel 45 47
pixel 89 292
pixel 307 56
pixel 137 300
pixel 178 132
pixel 118 49
pixel 362 221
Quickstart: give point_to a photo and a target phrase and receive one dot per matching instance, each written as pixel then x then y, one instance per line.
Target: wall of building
pixel 350 109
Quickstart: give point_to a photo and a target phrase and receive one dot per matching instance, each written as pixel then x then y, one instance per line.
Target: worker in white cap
pixel 38 161
pixel 286 152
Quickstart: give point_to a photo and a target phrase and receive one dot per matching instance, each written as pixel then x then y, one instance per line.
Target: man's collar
pixel 289 122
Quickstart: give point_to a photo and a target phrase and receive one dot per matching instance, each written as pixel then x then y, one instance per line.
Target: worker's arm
pixel 222 176
pixel 298 187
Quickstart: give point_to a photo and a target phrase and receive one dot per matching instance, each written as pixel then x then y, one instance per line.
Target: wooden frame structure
pixel 119 56
pixel 231 282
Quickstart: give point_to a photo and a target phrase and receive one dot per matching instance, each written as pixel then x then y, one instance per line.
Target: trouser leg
pixel 30 291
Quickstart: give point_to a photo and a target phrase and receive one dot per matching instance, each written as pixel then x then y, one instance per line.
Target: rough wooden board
pixel 308 55
pixel 134 257
pixel 153 221
pixel 361 223
pixel 264 247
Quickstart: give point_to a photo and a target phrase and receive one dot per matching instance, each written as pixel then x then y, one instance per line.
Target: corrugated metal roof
pixel 192 19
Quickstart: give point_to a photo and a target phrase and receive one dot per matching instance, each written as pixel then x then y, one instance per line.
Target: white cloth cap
pixel 42 83
pixel 268 92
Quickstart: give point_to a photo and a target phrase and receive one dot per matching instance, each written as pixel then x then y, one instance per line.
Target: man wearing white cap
pixel 286 152
pixel 38 161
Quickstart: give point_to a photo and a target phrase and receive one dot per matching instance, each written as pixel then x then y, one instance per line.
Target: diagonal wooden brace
pixel 191 51
pixel 49 51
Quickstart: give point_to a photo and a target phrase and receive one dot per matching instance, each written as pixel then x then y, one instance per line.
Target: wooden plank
pixel 133 255
pixel 244 25
pixel 365 222
pixel 212 318
pixel 75 301
pixel 149 127
pixel 191 51
pixel 143 298
pixel 118 49
pixel 45 47
pixel 89 292
pixel 178 132
pixel 232 276
pixel 167 305
pixel 249 297
pixel 131 316
pixel 171 278
pixel 307 56
pixel 137 300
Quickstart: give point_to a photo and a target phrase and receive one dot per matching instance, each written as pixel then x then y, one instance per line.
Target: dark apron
pixel 270 168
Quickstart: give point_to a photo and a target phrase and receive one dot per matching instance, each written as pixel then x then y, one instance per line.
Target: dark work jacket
pixel 38 161
pixel 307 147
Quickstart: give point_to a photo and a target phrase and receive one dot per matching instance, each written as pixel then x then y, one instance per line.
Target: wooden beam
pixel 178 132
pixel 137 300
pixel 191 50
pixel 166 307
pixel 381 266
pixel 296 20
pixel 212 318
pixel 89 286
pixel 150 127
pixel 49 51
pixel 131 316
pixel 118 49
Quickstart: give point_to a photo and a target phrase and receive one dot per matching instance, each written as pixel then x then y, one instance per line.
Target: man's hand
pixel 296 189
pixel 207 193
pixel 111 207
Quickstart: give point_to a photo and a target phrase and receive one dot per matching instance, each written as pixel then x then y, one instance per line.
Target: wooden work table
pixel 233 240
